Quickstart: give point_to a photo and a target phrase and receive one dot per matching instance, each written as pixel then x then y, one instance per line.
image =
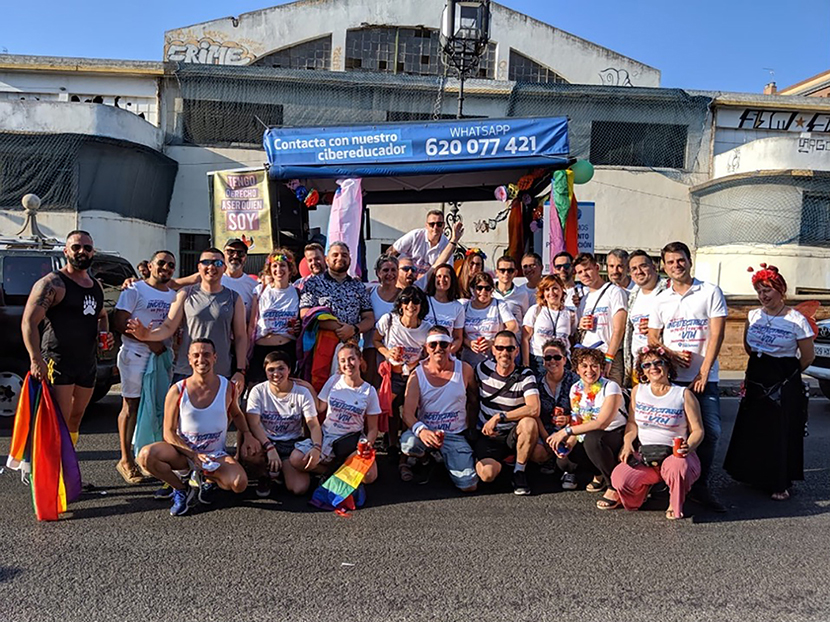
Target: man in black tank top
pixel 69 304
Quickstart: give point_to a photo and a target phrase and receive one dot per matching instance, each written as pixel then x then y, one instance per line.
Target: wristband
pixel 317 446
pixel 609 358
pixel 240 371
pixel 268 446
pixel 416 429
pixel 502 417
pixel 569 430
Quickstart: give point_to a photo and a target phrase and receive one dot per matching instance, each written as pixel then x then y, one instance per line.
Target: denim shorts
pixel 457 454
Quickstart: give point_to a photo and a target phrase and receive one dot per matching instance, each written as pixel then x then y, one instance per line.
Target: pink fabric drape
pixel 344 221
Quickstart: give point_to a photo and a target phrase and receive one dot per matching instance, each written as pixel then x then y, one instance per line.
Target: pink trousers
pixel 632 483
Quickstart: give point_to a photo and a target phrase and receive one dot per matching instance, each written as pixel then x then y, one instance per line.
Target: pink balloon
pixel 304 269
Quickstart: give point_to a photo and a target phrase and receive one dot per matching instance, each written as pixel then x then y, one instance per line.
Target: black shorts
pixel 63 372
pixel 495 447
pixel 256 369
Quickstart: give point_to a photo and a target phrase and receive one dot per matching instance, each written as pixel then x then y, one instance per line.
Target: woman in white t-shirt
pixel 598 416
pixel 767 444
pixel 352 409
pixel 383 295
pixel 484 318
pixel 444 307
pixel 276 411
pixel 275 314
pixel 661 412
pixel 547 319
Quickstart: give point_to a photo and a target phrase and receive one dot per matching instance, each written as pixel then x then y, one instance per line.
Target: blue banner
pixel 435 142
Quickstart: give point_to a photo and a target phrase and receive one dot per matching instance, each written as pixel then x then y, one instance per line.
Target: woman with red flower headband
pixel 473 264
pixel 767 445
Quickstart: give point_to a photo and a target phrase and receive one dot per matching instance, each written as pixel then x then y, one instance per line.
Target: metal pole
pixel 460 94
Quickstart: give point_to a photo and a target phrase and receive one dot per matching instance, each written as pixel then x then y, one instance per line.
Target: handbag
pixel 653 455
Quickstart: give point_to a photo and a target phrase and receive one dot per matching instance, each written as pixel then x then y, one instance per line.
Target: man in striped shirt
pixel 509 409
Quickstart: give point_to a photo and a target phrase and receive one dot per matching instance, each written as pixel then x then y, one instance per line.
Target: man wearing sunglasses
pixel 531 265
pixel 563 267
pixel 148 301
pixel 70 304
pixel 209 311
pixel 440 399
pixel 508 413
pixel 423 245
pixel 516 298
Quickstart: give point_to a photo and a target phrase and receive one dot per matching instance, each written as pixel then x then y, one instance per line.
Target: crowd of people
pixel 607 384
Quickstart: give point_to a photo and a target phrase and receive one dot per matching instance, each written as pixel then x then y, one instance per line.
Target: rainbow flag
pixel 41 447
pixel 344 490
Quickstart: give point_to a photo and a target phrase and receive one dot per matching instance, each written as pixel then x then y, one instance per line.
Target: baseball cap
pixel 236 242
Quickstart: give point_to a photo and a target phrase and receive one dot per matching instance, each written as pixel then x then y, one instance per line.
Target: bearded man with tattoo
pixel 70 304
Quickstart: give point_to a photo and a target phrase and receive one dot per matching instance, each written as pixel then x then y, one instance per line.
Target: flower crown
pixel 475 251
pixel 768 274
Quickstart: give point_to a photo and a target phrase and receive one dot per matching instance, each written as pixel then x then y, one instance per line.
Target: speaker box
pixel 289 219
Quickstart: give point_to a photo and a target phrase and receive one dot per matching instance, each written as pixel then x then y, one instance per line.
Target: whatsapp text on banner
pixel 242 209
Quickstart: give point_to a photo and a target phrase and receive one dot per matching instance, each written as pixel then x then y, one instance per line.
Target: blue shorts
pixel 457 454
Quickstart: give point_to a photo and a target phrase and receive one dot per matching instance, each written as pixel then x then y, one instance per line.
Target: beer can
pixel 440 435
pixel 677 444
pixel 363 446
pixel 103 342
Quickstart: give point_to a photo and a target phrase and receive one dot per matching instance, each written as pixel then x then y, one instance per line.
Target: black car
pixel 22 263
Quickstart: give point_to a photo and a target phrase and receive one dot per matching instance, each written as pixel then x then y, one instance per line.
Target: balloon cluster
pixel 309 198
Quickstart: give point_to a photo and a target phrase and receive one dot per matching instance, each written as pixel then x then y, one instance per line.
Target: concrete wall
pixel 35 117
pixel 239 41
pixel 135 94
pixel 130 238
pixel 726 265
pixel 799 152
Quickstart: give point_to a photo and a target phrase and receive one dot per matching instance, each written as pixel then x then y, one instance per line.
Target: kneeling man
pixel 435 409
pixel 509 412
pixel 196 415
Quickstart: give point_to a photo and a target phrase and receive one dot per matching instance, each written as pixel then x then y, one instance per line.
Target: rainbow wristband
pixel 609 358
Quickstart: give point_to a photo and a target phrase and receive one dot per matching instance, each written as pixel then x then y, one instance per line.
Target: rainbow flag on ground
pixel 42 448
pixel 344 490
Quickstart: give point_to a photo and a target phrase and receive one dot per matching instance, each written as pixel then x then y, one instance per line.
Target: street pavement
pixel 416 552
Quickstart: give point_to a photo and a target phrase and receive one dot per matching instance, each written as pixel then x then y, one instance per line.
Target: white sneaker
pixel 569 481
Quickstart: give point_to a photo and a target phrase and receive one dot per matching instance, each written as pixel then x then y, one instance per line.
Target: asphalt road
pixel 415 552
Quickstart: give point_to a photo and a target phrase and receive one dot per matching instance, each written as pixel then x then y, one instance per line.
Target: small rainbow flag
pixel 42 448
pixel 343 490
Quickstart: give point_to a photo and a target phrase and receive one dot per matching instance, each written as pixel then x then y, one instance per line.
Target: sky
pixel 725 45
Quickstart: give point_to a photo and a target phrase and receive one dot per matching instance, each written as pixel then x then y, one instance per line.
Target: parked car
pixel 820 369
pixel 22 263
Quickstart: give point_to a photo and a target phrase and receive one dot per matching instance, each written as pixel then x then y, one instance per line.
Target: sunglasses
pixel 553 357
pixel 648 364
pixel 407 268
pixel 161 263
pixel 562 266
pixel 483 288
pixel 438 344
pixel 505 348
pixel 506 270
pixel 435 224
pixel 234 251
pixel 529 267
pixel 76 247
pixel 218 263
pixel 405 300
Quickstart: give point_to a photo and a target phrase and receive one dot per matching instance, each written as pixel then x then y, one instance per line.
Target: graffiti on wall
pixel 615 77
pixel 811 145
pixel 207 51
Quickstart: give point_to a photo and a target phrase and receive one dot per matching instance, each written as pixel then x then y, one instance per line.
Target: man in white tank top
pixel 196 415
pixel 436 411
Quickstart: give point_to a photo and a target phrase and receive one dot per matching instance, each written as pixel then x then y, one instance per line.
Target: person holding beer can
pixel 667 426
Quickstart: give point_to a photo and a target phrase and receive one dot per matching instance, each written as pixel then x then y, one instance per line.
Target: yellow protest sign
pixel 242 209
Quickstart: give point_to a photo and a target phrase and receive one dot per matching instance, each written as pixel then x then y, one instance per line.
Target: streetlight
pixel 465 33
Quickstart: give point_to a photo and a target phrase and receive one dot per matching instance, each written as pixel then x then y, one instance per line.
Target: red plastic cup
pixel 677 443
pixel 643 325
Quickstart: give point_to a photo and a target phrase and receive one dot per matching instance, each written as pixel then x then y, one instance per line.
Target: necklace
pixel 771 318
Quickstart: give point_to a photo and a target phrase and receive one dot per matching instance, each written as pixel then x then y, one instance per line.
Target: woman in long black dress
pixel 767 445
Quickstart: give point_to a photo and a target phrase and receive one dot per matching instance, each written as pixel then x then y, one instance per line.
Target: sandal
pixel 131 474
pixel 406 472
pixel 596 485
pixel 605 503
pixel 670 515
pixel 781 496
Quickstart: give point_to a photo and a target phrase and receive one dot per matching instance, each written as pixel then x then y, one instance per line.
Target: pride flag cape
pixel 343 490
pixel 563 215
pixel 41 446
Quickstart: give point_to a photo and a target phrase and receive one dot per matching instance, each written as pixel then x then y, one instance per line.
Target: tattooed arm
pixel 46 293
